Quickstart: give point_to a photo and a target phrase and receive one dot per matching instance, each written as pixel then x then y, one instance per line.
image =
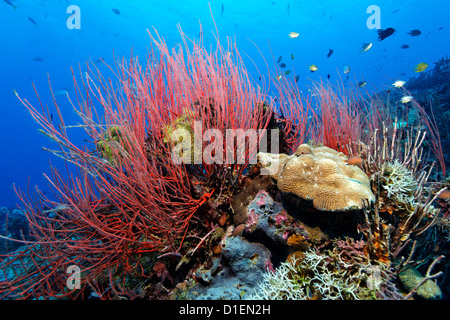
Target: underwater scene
pixel 225 150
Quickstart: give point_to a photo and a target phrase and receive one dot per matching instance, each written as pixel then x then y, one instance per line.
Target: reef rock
pixel 268 219
pixel 247 260
pixel 319 174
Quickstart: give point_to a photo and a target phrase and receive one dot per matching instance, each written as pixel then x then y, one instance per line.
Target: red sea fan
pixel 128 197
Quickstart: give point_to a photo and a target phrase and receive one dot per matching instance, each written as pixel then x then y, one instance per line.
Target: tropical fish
pixel 288 72
pixel 346 69
pixel 330 52
pixel 355 161
pixel 99 60
pixel 296 78
pixel 414 33
pixel 279 77
pixel 362 83
pixel 421 67
pixel 116 11
pixel 366 47
pixel 383 34
pixel 293 34
pixel 238 230
pixel 61 92
pixel 282 65
pixel 12 5
pixel 404 46
pixel 399 83
pixel 406 99
pixel 444 195
pixel 279 59
pixel 32 21
pixel 292 56
pixel 313 68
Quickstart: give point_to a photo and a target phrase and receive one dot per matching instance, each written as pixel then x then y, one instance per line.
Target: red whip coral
pixel 129 197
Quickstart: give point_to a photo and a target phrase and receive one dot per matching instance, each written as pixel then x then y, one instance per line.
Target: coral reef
pixel 340 274
pixel 301 224
pixel 399 183
pixel 321 175
pixel 429 290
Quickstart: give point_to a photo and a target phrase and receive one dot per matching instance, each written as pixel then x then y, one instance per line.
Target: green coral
pixel 175 133
pixel 429 290
pixel 104 146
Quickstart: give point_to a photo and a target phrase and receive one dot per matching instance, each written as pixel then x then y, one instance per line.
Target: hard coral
pixel 320 174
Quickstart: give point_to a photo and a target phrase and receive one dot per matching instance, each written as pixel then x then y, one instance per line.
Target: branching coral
pixel 399 183
pixel 343 273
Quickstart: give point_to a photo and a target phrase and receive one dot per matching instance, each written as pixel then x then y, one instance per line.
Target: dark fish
pixel 12 5
pixel 404 46
pixel 279 59
pixel 288 8
pixel 51 117
pixel 32 21
pixel 282 65
pixel 395 11
pixel 296 78
pixel 414 33
pixel 383 34
pixel 330 52
pixel 440 28
pixel 328 76
pixel 99 60
pixel 221 12
pixel 259 77
pixel 116 11
pixel 38 59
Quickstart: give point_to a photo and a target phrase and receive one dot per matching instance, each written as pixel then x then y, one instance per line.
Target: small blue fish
pixel 296 78
pixel 12 5
pixel 32 21
pixel 282 65
pixel 116 11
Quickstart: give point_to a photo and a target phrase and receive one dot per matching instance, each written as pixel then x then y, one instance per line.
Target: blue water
pixel 322 25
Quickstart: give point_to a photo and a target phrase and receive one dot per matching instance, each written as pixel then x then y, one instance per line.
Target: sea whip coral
pixel 128 197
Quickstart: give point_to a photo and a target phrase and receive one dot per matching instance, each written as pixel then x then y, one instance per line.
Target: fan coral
pixel 320 174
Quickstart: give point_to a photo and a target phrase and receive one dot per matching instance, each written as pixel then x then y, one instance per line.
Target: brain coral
pixel 319 174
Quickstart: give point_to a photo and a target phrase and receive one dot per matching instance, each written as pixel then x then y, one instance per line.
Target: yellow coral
pixel 320 174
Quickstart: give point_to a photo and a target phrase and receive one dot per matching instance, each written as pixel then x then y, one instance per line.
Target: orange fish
pixel 355 161
pixel 238 230
pixel 445 195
